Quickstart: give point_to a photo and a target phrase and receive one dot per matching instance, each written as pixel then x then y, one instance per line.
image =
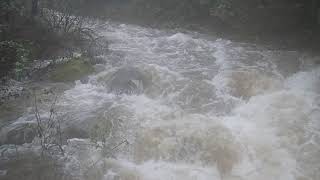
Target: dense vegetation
pixel 282 23
pixel 33 30
pixel 232 12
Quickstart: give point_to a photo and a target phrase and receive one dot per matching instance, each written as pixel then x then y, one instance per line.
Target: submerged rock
pixel 99 68
pixel 10 111
pixel 127 80
pixel 18 134
pixel 75 132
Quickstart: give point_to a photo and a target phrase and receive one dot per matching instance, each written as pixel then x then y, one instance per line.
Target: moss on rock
pixel 74 69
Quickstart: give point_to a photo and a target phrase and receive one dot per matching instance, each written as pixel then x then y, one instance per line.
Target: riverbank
pixel 274 24
pixel 305 39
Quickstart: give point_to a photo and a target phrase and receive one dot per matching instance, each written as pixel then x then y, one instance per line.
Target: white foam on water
pixel 160 170
pixel 269 128
pixel 275 126
pixel 305 81
pixel 260 138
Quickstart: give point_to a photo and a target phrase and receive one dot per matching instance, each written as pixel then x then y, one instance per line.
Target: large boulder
pixel 127 80
pixel 74 131
pixel 18 133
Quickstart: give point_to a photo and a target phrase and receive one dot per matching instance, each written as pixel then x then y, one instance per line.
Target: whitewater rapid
pixel 213 109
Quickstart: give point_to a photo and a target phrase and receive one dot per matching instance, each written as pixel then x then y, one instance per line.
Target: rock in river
pixel 127 80
pixel 18 133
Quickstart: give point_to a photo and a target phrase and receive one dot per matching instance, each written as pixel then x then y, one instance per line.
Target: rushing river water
pixel 199 108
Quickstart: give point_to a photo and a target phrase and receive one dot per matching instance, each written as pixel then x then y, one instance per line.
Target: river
pixel 200 108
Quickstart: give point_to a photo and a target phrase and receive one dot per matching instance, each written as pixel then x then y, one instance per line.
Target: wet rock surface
pixel 127 80
pixel 75 132
pixel 18 134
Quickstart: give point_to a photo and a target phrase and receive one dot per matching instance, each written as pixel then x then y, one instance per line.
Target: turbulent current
pixel 195 107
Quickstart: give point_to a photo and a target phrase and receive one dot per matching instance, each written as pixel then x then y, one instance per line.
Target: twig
pixel 125 141
pixel 50 132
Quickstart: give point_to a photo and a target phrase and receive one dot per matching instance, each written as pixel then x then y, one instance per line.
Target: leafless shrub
pixel 62 17
pixel 91 167
pixel 49 131
pixel 101 135
pixel 62 23
pixel 67 25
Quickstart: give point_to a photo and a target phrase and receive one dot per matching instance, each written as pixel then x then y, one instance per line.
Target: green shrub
pixel 15 58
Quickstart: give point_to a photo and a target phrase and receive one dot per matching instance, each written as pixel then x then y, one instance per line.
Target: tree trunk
pixel 314 11
pixel 35 8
